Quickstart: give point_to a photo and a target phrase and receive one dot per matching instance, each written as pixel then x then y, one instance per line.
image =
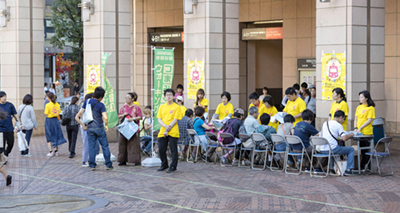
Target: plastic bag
pixel 128 128
pixel 22 144
pixel 87 115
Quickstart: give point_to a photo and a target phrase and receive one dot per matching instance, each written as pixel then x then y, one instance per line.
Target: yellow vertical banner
pixel 195 78
pixel 333 73
pixel 93 77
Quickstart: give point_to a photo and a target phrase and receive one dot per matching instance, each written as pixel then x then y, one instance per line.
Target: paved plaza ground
pixel 197 187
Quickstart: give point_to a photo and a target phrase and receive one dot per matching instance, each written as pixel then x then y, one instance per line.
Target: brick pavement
pixel 200 187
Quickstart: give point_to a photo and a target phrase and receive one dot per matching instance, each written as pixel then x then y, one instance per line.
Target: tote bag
pixel 128 128
pixel 87 115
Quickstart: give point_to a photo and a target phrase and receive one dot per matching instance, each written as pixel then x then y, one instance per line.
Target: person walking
pixel 28 121
pixel 129 150
pixel 6 125
pixel 96 130
pixel 54 135
pixel 168 116
pixel 72 127
pixel 3 158
pixel 53 88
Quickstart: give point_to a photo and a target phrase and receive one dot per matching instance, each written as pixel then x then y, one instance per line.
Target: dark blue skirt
pixel 53 132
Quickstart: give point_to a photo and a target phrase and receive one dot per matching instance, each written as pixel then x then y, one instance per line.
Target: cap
pixel 239 110
pixel 179 98
pixel 311 86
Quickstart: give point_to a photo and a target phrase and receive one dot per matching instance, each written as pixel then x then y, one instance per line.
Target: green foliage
pixel 68 29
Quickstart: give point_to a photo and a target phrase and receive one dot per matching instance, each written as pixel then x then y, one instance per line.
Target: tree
pixel 69 30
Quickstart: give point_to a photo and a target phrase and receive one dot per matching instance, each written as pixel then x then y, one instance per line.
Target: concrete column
pixel 212 33
pixel 109 30
pixel 22 60
pixel 357 28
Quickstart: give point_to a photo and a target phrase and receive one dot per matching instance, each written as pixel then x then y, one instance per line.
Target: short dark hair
pixel 88 96
pixel 307 115
pixel 339 114
pixel 268 99
pixel 148 107
pixel 2 93
pixel 265 118
pixel 74 100
pixel 304 85
pixel 189 112
pixel 266 88
pixel 289 119
pixel 169 90
pixel 227 95
pixel 199 111
pixel 296 86
pixel 180 86
pixel 77 81
pixel 47 92
pixel 254 96
pixel 28 99
pixel 99 92
pixel 45 84
pixel 290 91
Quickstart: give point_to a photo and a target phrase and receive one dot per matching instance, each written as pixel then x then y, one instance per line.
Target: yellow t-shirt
pixel 137 103
pixel 183 111
pixel 342 105
pixel 203 102
pixel 363 113
pixel 295 107
pixel 52 110
pixel 271 112
pixel 224 110
pixel 260 104
pixel 168 113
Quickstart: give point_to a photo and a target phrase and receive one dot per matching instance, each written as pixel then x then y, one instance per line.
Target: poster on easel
pixel 195 78
pixel 333 74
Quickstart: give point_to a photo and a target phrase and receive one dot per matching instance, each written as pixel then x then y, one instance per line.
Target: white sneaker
pixel 247 162
pixel 50 154
pixel 28 155
pixel 85 164
pixel 235 161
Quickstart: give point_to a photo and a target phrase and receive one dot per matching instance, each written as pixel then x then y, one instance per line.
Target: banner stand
pixel 154 161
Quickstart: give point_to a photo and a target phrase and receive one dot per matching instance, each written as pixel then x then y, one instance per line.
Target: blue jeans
pixel 28 135
pixel 94 135
pixel 146 143
pixel 281 147
pixel 343 150
pixel 85 149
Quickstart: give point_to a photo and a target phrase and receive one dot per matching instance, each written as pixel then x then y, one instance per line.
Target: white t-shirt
pixel 336 129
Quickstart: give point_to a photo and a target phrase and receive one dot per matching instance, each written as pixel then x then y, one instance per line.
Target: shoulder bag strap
pixel 327 124
pixel 95 104
pixel 283 129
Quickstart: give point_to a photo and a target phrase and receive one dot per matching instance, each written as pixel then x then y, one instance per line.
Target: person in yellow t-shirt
pixel 168 116
pixel 269 109
pixel 54 135
pixel 201 101
pixel 365 114
pixel 224 109
pixel 253 97
pixel 295 105
pixel 339 104
pixel 179 100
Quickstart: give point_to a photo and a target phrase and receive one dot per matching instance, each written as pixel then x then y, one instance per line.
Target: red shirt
pixel 133 111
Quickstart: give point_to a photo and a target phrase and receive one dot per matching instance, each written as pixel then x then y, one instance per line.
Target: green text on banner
pixel 109 97
pixel 163 77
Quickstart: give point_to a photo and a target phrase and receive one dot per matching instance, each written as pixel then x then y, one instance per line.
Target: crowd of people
pixel 299 106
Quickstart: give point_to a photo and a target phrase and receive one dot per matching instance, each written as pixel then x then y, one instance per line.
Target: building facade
pixel 216 31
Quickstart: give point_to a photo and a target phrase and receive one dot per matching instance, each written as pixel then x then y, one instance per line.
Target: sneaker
pixel 85 164
pixel 110 168
pixel 247 162
pixel 71 155
pixel 235 161
pixel 50 154
pixel 318 171
pixel 9 180
pixel 224 160
pixel 306 169
pixel 92 168
pixel 28 155
pixel 55 153
pixel 350 172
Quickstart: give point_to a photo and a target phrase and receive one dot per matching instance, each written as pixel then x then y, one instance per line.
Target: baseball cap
pixel 239 110
pixel 179 98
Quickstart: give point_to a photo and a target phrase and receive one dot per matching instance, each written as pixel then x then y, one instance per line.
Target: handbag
pixel 339 141
pixel 22 144
pixel 128 129
pixel 88 114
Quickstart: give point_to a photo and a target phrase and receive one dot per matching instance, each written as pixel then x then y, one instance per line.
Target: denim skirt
pixel 53 132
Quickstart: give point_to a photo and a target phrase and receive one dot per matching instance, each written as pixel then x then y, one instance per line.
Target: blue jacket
pixel 266 131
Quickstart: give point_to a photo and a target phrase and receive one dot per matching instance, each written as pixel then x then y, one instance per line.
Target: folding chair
pixel 277 139
pixel 257 137
pixel 243 138
pixel 224 147
pixel 192 142
pixel 375 154
pixel 211 145
pixel 291 140
pixel 321 141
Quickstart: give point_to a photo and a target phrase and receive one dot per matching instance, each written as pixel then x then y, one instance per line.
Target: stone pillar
pixel 22 59
pixel 357 28
pixel 212 34
pixel 109 30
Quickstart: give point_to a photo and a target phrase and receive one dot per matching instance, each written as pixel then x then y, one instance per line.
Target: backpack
pixel 227 129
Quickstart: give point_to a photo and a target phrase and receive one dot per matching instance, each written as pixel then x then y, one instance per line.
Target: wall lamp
pixel 4 13
pixel 324 1
pixel 188 6
pixel 87 9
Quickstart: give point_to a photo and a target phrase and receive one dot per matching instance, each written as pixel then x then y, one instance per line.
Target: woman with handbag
pixel 28 121
pixel 54 135
pixel 72 126
pixel 129 150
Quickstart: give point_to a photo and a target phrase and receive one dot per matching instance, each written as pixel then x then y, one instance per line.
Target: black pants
pixel 72 132
pixel 9 138
pixel 364 157
pixel 173 146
